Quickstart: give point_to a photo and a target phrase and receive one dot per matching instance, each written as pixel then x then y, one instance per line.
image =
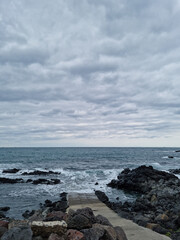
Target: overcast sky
pixel 90 73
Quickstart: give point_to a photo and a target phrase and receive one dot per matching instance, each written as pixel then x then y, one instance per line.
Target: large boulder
pixel 79 222
pixel 143 179
pixel 44 229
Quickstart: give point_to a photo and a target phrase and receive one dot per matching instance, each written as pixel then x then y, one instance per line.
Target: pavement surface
pixel 132 230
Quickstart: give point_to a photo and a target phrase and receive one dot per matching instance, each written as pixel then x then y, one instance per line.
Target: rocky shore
pixel 158 203
pixel 53 222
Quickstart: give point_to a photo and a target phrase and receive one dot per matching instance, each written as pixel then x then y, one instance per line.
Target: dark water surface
pixel 79 168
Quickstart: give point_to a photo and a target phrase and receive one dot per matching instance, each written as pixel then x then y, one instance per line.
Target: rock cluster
pixel 51 222
pixel 158 204
pixel 52 181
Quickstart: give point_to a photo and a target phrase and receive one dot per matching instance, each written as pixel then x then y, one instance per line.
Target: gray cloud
pixel 92 73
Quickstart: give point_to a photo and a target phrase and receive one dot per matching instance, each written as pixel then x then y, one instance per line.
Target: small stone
pixel 152 225
pixel 162 217
pixel 153 198
pixel 74 235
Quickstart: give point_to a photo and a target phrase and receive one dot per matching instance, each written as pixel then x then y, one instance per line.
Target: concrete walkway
pixel 132 230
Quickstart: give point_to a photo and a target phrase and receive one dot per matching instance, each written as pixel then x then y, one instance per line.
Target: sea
pixel 81 170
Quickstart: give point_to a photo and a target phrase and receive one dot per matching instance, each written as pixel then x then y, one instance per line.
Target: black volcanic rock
pixel 46 181
pixel 4 209
pixel 14 170
pixel 174 171
pixel 143 179
pixel 12 181
pixel 38 172
pixel 158 205
pixel 102 196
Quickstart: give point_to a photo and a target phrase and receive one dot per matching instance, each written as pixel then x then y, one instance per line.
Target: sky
pixel 89 73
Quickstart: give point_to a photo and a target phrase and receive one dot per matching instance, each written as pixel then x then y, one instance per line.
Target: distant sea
pixel 79 168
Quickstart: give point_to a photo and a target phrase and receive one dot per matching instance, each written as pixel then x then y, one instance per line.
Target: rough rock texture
pixel 159 202
pixel 98 232
pixel 74 235
pixel 18 233
pixel 44 229
pixel 143 179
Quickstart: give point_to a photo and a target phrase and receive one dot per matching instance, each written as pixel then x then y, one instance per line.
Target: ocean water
pixel 79 168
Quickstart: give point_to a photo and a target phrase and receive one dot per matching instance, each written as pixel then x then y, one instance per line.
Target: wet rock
pixel 159 202
pixel 174 171
pixel 14 170
pixel 102 196
pixel 44 229
pixel 2 215
pixel 11 181
pixel 74 235
pixel 4 209
pixel 18 233
pixel 29 180
pixel 170 157
pixel 40 173
pixel 46 181
pixel 177 151
pixel 142 179
pixel 28 214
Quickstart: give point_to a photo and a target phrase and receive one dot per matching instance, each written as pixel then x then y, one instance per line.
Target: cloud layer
pixel 89 73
